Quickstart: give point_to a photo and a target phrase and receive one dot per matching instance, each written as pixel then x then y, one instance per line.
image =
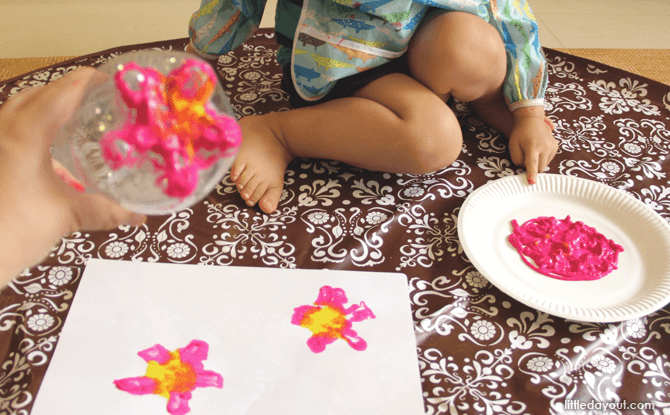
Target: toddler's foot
pixel 261 162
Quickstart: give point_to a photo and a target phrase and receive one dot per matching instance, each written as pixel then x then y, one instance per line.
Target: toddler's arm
pixel 531 143
pixel 526 78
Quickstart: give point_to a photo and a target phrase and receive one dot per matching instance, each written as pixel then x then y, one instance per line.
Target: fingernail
pixel 64 176
pixel 531 179
pixel 549 124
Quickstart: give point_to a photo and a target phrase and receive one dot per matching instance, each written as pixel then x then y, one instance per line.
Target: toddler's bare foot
pixel 261 161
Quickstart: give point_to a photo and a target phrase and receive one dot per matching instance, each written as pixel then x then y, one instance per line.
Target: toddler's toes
pixel 237 168
pixel 269 201
pixel 235 172
pixel 252 197
pixel 249 188
pixel 244 179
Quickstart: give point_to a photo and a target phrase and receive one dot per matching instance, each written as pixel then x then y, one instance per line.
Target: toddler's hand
pixel 532 143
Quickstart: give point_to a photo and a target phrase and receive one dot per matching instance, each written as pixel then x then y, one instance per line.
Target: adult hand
pixel 37 206
pixel 532 143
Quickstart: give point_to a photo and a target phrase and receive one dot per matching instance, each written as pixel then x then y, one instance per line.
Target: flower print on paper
pixel 328 320
pixel 173 375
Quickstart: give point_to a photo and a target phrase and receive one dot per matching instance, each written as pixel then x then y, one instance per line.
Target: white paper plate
pixel 640 285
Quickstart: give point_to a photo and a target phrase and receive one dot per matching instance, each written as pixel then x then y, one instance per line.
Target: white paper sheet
pixel 244 314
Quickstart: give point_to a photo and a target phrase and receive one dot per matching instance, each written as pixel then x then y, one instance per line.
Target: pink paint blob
pixel 173 375
pixel 563 249
pixel 328 320
pixel 171 124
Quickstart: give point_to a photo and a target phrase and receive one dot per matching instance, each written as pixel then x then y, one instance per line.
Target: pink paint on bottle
pixel 155 132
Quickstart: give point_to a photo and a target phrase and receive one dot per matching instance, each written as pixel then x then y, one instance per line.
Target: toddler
pixel 370 81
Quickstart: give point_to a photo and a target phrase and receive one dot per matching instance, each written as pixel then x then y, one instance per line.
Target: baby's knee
pixel 461 35
pixel 462 45
pixel 479 50
pixel 433 143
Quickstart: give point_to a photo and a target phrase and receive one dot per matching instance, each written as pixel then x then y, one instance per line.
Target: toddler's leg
pixel 459 54
pixel 462 55
pixel 393 124
pixel 396 123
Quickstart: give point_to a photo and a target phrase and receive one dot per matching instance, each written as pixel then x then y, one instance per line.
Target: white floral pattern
pixel 116 249
pixel 636 329
pixel 482 330
pixel 430 236
pixel 40 322
pixel 586 133
pixel 618 101
pixel 475 279
pixel 479 351
pixel 178 250
pixel 348 234
pixel 540 364
pixel 603 364
pixel 562 98
pixel 60 275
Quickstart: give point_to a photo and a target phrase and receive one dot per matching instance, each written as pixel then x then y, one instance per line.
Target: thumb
pixel 57 101
pixel 98 212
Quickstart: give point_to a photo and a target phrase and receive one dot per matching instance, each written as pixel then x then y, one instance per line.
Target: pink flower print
pixel 328 320
pixel 173 375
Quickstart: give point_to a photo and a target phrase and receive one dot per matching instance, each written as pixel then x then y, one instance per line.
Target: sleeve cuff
pixel 204 55
pixel 538 102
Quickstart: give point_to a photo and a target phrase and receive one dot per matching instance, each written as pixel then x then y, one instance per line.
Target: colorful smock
pixel 332 39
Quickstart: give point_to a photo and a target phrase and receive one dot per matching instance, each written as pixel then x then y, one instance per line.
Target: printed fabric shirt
pixel 332 39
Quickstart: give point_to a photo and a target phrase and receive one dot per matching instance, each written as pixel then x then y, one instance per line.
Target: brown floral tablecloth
pixel 479 351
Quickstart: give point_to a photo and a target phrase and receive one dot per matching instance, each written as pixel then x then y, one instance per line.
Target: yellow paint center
pixel 325 320
pixel 172 376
